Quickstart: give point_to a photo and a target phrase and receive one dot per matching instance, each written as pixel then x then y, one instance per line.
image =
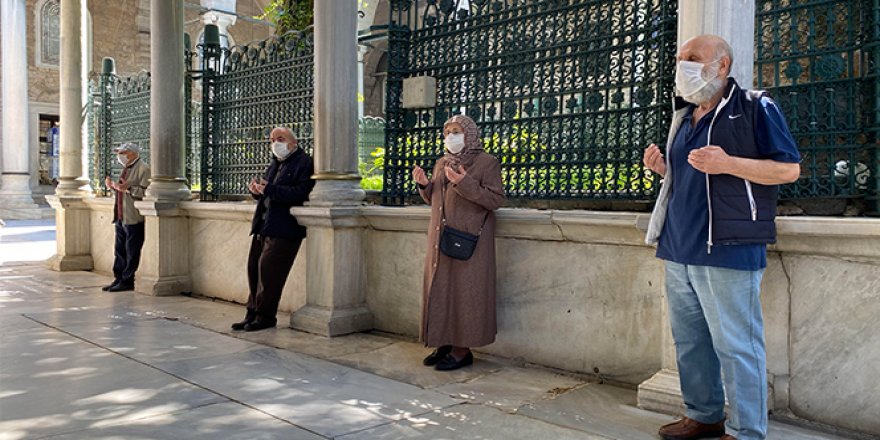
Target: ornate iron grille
pixel 121 108
pixel 567 93
pixel 258 87
pixel 814 57
pixel 123 116
pixel 93 121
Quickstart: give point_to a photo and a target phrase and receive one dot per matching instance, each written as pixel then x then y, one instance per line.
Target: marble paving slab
pixel 471 422
pixel 320 396
pixel 604 409
pixel 227 421
pixel 51 382
pixel 511 387
pixel 403 361
pixel 158 340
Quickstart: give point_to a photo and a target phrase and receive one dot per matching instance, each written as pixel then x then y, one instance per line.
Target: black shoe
pixel 248 318
pixel 257 325
pixel 110 286
pixel 449 363
pixel 121 287
pixel 437 355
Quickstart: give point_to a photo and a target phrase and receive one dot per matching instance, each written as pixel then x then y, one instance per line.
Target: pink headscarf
pixel 472 143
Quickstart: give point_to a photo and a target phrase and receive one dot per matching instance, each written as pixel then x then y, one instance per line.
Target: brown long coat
pixel 458 305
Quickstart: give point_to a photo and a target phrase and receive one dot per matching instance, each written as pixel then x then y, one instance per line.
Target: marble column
pixel 334 270
pixel 336 159
pixel 361 54
pixel 71 181
pixel 164 266
pixel 16 201
pixel 166 102
pixel 72 216
pixel 734 21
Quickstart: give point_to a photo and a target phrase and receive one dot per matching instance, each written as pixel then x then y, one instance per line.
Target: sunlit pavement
pixel 79 363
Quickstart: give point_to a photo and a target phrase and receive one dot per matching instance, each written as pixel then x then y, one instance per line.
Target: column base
pixel 163 286
pixel 662 393
pixel 16 200
pixel 73 234
pixel 336 322
pixel 73 187
pixel 70 263
pixel 336 193
pixel 167 190
pixel 164 269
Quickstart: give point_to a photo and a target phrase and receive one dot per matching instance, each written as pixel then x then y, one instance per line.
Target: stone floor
pixel 78 363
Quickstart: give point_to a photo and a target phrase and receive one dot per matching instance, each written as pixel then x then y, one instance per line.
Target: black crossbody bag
pixel 454 243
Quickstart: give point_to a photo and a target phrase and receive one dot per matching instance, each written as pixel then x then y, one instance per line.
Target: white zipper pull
pixel 752 205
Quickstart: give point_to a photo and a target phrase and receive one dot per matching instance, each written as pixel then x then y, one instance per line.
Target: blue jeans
pixel 716 320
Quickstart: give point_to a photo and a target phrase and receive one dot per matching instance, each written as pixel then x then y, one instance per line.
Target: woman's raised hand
pixel 419 175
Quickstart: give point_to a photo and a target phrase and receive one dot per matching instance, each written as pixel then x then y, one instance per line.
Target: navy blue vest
pixel 741 212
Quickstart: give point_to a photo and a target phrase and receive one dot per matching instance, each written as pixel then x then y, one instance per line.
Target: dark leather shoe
pixel 121 287
pixel 242 324
pixel 689 429
pixel 109 286
pixel 257 325
pixel 449 363
pixel 728 437
pixel 437 355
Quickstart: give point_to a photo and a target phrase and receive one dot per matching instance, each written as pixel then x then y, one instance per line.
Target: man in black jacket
pixel 276 234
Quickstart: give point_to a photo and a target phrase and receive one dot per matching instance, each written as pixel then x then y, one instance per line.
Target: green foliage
pixel 371 173
pixel 289 15
pixel 525 158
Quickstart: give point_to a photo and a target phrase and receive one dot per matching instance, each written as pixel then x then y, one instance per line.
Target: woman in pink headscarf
pixel 458 307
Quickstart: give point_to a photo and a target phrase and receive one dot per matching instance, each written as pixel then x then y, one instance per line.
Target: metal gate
pixel 567 92
pixel 248 90
pixel 815 58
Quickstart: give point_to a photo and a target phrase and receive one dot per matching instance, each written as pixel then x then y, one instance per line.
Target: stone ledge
pixel 99 203
pixel 402 219
pixel 241 211
pixel 329 217
pixel 854 238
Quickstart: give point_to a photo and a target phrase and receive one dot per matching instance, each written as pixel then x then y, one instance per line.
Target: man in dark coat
pixel 276 234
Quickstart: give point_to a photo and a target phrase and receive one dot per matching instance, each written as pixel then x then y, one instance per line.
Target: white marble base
pixel 163 286
pixel 661 393
pixel 16 200
pixel 332 322
pixel 70 263
pixel 335 276
pixel 164 266
pixel 72 236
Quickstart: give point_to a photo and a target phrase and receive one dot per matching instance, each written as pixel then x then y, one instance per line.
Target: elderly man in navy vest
pixel 727 152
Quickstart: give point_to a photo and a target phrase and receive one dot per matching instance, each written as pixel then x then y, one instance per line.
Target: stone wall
pixel 218 249
pixel 580 291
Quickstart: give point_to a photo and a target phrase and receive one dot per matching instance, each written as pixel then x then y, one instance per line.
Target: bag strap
pixel 443 208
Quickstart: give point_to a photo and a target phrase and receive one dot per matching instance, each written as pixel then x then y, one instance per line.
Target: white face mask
pixel 280 150
pixel 454 142
pixel 690 82
pixel 123 159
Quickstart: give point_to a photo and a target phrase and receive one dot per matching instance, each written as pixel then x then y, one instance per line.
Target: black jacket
pixel 289 184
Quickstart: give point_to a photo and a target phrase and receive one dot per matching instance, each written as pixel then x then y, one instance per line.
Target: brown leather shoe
pixel 689 429
pixel 728 437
